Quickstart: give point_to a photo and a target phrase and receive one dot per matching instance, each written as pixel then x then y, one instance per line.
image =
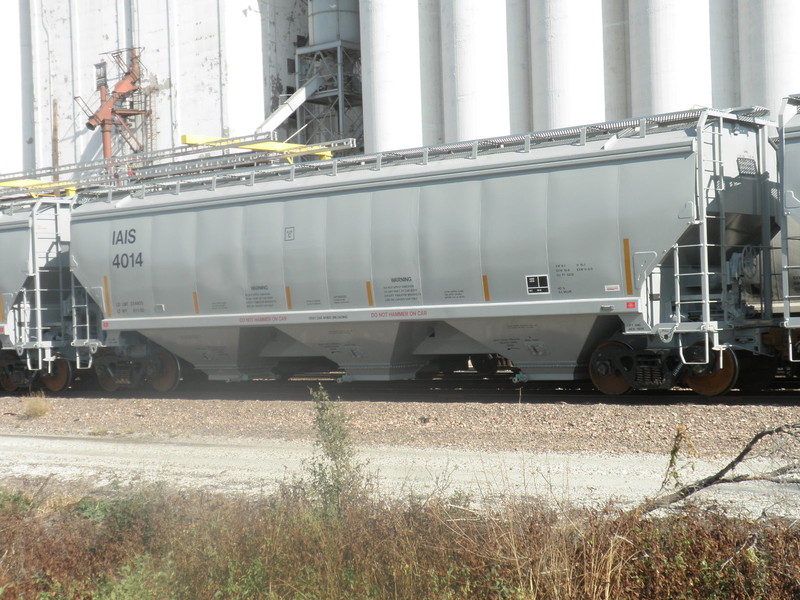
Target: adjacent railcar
pixel 635 253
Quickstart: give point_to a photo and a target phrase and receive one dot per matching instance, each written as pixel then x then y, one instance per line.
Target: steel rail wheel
pixel 168 374
pixel 105 380
pixel 60 376
pixel 712 379
pixel 605 368
pixel 756 372
pixel 7 384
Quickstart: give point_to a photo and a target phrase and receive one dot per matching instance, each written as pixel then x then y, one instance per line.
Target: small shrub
pixel 14 503
pixel 138 580
pixel 36 406
pixel 336 474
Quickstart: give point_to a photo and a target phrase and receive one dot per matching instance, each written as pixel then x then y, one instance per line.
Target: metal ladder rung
pixel 700 246
pixel 711 301
pixel 682 302
pixel 679 275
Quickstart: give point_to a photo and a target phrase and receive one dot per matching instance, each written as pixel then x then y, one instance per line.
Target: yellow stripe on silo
pixel 107 295
pixel 196 303
pixel 370 298
pixel 626 251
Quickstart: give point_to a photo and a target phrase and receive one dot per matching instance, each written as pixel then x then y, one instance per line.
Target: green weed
pixel 336 474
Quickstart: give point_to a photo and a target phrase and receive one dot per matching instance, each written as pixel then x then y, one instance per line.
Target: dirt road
pixel 575 447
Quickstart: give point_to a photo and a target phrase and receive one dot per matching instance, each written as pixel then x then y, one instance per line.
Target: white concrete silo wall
pixel 567 60
pixel 474 69
pixel 204 67
pixel 242 70
pixel 430 50
pixel 769 51
pixel 183 54
pixel 616 60
pixel 12 116
pixel 62 41
pixel 391 78
pixel 670 54
pixel 519 65
pixel 723 29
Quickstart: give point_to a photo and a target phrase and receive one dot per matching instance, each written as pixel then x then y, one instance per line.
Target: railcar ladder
pixel 84 326
pixel 709 207
pixel 38 316
pixel 787 241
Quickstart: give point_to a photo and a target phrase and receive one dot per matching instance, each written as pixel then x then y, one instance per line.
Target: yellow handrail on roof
pixel 284 148
pixel 37 187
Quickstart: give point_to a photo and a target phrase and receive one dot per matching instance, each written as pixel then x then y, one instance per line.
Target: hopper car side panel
pixel 492 255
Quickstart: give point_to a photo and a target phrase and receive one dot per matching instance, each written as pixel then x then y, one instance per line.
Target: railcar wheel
pixel 60 376
pixel 606 366
pixel 756 372
pixel 105 380
pixel 168 374
pixel 484 364
pixel 7 383
pixel 712 379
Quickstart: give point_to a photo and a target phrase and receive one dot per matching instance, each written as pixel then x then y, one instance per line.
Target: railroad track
pixel 460 387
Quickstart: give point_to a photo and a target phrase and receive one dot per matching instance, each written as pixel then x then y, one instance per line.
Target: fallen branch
pixel 722 476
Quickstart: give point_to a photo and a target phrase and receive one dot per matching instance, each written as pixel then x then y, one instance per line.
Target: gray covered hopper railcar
pixel 629 252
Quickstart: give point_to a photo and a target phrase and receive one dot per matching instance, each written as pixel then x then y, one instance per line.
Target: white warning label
pixel 537 284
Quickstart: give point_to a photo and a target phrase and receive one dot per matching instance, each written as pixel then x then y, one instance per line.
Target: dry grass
pixel 154 544
pixel 36 405
pixel 329 537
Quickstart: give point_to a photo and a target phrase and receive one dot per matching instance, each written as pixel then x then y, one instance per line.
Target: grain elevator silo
pixel 209 67
pixel 474 69
pixel 769 49
pixel 402 72
pixel 567 60
pixel 392 80
pixel 670 55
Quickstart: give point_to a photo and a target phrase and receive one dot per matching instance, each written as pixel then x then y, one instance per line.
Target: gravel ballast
pixel 715 429
pixel 582 447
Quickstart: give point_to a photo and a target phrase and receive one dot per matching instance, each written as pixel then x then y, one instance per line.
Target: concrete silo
pixel 16 152
pixel 474 69
pixel 209 67
pixel 391 78
pixel 567 61
pixel 670 55
pixel 769 51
